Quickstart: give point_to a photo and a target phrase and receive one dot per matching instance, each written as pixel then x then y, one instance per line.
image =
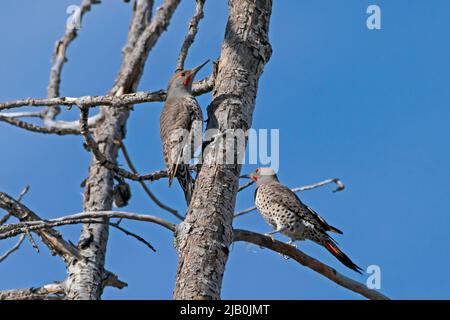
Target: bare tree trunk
pixel 203 239
pixel 87 275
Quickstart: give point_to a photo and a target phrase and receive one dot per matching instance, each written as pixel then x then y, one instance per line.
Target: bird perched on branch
pixel 180 122
pixel 282 209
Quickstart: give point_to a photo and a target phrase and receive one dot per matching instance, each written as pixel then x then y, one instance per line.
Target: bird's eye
pixel 182 74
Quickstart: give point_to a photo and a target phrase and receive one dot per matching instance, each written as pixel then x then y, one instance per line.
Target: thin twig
pixel 129 233
pixel 33 243
pixel 94 148
pixel 246 185
pixel 23 114
pixel 307 261
pixel 16 247
pixel 144 186
pixel 6 217
pixel 340 187
pixel 36 128
pixel 190 37
pixel 23 193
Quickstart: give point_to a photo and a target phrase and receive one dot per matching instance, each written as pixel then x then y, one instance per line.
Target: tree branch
pixel 307 261
pixel 198 88
pixel 337 181
pixel 340 187
pixel 59 58
pixel 50 291
pixel 51 238
pixel 5 218
pixel 15 248
pixel 131 234
pixel 144 186
pixel 23 114
pixel 39 129
pixel 95 149
pixel 193 29
pixel 93 146
pixel 246 185
pixel 14 229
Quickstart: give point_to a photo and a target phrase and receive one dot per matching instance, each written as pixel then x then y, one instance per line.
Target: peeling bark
pixel 203 239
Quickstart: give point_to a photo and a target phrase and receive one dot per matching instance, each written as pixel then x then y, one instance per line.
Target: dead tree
pixel 202 238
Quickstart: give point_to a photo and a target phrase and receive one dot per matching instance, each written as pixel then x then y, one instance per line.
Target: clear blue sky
pixel 369 107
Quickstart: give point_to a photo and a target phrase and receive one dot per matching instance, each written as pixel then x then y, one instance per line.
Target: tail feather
pixel 335 230
pixel 186 182
pixel 323 223
pixel 341 256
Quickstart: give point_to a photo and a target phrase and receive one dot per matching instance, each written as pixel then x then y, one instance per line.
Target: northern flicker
pixel 180 120
pixel 282 209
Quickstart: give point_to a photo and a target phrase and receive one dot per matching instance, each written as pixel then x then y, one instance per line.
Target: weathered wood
pixel 50 291
pixel 87 274
pixel 203 239
pixel 50 237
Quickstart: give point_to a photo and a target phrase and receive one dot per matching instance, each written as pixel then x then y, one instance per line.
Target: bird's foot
pixel 270 235
pixel 292 243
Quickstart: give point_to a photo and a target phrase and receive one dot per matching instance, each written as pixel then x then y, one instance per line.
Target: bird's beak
pixel 197 69
pixel 245 176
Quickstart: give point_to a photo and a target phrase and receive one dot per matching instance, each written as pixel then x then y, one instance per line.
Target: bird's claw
pixel 270 236
pixel 292 243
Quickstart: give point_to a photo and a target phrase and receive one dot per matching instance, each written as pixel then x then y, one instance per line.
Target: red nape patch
pixel 186 81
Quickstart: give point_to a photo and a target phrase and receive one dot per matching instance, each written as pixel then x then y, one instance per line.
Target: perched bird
pixel 180 119
pixel 282 209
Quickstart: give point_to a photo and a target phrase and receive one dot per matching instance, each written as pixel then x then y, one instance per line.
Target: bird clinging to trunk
pixel 181 119
pixel 282 209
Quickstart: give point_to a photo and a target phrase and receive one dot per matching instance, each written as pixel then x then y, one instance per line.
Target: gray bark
pixel 204 238
pixel 87 274
pixel 43 293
